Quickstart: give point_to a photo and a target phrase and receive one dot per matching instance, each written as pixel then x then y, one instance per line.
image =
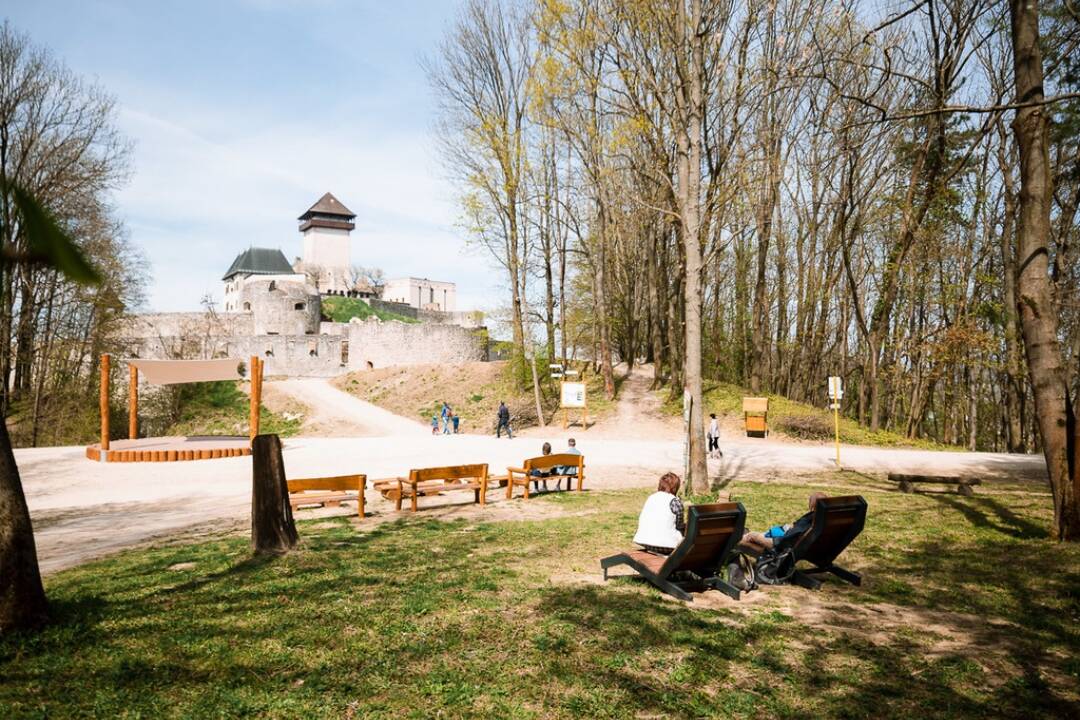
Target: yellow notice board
pixel 573 395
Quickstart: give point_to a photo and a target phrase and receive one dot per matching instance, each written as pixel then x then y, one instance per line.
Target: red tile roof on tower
pixel 328 205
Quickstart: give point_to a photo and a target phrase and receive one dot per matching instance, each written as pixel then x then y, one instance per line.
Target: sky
pixel 244 112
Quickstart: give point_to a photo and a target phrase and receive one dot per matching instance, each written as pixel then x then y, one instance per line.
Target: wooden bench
pixel 963 483
pixel 756 415
pixel 435 481
pixel 328 491
pixel 523 475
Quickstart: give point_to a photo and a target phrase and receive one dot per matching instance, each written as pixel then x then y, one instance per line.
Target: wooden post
pixel 104 401
pixel 273 530
pixel 253 415
pixel 133 402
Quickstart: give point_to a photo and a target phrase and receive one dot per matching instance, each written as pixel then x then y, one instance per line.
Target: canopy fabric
pixel 175 372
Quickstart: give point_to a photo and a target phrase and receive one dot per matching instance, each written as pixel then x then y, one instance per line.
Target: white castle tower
pixel 327 260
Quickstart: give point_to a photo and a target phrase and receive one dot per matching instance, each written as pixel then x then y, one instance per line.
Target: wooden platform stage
pixel 171 449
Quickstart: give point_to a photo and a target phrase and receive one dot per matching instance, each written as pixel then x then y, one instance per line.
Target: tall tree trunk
pixel 22 597
pixel 688 138
pixel 1046 364
pixel 273 530
pixel 1013 381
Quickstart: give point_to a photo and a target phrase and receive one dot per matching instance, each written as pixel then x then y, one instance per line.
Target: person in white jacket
pixel 661 523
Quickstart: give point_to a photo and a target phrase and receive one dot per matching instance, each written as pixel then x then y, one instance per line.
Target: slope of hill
pixel 472 389
pixel 796 420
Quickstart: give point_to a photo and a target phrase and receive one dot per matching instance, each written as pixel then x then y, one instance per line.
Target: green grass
pixel 344 309
pixel 221 408
pixel 726 399
pixel 422 618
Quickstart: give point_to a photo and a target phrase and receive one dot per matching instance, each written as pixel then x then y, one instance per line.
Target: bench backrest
pixel 837 521
pixel 450 472
pixel 545 462
pixel 335 484
pixel 712 531
pixel 755 405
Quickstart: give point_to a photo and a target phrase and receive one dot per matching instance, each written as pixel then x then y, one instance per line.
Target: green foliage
pixel 48 243
pixel 344 309
pixel 424 618
pixel 222 408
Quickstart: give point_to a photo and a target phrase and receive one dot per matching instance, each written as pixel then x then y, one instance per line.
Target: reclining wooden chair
pixel 712 532
pixel 837 521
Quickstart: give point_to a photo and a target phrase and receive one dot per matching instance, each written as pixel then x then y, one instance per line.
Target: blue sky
pixel 244 112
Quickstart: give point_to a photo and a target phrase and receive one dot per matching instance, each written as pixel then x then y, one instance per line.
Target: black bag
pixel 774 567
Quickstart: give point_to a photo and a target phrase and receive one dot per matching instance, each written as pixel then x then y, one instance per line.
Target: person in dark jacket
pixel 782 534
pixel 504 421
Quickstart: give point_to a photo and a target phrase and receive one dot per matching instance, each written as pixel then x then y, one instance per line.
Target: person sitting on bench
pixel 545 450
pixel 661 524
pixel 566 471
pixel 758 542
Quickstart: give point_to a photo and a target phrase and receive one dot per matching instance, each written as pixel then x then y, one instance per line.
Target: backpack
pixel 740 573
pixel 774 567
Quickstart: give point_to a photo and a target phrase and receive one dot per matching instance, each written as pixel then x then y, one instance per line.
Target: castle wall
pixel 337 349
pixel 375 344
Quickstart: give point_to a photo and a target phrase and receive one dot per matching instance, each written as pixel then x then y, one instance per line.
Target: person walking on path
pixel 446 418
pixel 504 421
pixel 714 436
pixel 457 419
pixel 434 424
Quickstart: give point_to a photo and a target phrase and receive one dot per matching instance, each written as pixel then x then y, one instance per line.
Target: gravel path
pixel 82 510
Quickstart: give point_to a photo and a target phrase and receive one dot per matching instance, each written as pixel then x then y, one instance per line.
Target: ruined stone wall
pixel 337 349
pixel 376 344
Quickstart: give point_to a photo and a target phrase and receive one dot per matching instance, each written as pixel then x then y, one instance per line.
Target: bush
pixel 806 427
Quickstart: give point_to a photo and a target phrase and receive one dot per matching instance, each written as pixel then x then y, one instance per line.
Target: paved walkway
pixel 82 509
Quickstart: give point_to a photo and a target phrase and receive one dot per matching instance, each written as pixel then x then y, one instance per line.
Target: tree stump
pixel 273 531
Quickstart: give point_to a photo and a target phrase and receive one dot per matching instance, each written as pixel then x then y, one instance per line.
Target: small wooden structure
pixel 963 483
pixel 171 449
pixel 436 481
pixel 712 532
pixel 756 415
pixel 523 475
pixel 328 491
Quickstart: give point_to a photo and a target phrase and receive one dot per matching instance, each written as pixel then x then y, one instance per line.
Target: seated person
pixel 545 450
pixel 757 543
pixel 567 471
pixel 661 523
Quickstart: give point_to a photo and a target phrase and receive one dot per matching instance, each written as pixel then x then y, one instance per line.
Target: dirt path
pixel 82 509
pixel 335 413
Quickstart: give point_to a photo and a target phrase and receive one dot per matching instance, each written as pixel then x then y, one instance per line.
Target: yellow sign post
pixel 836 394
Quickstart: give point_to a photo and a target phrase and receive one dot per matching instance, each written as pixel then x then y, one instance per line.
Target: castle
pixel 273 309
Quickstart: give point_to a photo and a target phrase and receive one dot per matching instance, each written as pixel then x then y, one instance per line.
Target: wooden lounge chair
pixel 712 532
pixel 837 521
pixel 328 491
pixel 523 475
pixel 435 481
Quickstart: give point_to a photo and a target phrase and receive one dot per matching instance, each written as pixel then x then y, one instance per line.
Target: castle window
pixel 273 285
pixel 298 306
pixel 313 349
pixel 344 352
pixel 247 306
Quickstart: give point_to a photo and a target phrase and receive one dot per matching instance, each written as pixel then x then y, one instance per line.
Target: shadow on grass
pixel 990 513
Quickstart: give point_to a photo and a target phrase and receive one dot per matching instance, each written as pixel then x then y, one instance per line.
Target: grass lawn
pixel 344 309
pixel 967 610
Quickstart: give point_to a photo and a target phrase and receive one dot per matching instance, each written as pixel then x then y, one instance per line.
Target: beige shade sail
pixel 175 372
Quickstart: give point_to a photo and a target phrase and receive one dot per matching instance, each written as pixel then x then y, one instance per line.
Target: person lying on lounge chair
pixel 760 542
pixel 661 524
